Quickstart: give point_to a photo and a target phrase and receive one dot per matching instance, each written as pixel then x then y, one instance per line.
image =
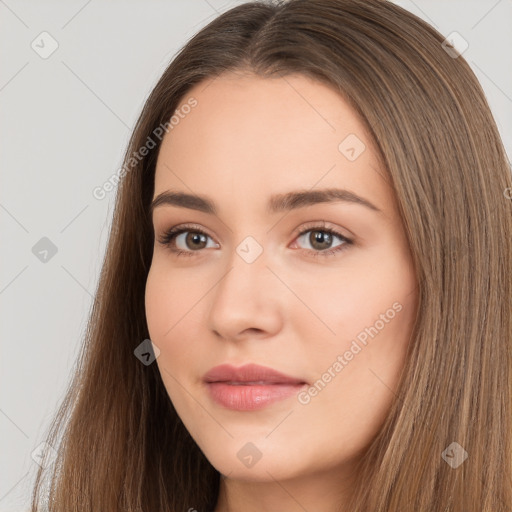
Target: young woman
pixel 305 299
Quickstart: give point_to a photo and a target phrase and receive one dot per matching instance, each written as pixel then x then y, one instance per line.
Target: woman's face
pixel 332 308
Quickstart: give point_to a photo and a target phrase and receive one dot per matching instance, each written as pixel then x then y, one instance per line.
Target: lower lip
pixel 250 397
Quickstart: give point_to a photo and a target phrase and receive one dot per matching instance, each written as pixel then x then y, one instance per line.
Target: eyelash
pixel 170 235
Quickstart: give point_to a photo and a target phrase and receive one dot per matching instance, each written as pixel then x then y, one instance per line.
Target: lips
pixel 249 374
pixel 249 387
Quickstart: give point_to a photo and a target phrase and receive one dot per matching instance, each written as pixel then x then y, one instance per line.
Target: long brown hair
pixel 120 443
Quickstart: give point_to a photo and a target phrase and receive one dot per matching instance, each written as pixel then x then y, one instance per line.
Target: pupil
pixel 320 236
pixel 196 238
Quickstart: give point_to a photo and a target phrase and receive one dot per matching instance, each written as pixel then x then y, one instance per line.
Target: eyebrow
pixel 277 203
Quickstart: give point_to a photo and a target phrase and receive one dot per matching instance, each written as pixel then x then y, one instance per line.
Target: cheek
pixel 168 297
pixel 374 299
pixel 172 303
pixel 355 372
pixel 164 304
pixel 157 296
pixel 367 316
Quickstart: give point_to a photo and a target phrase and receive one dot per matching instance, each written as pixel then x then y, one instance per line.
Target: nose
pixel 247 301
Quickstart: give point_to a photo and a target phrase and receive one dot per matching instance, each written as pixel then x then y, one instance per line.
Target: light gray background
pixel 65 121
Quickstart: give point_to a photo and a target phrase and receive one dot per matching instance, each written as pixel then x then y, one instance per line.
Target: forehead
pixel 250 134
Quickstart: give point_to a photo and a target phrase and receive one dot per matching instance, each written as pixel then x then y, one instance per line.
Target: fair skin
pixel 293 308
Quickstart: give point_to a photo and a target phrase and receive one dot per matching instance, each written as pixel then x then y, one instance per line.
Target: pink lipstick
pixel 249 387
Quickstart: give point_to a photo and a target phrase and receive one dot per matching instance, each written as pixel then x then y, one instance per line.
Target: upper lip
pixel 249 373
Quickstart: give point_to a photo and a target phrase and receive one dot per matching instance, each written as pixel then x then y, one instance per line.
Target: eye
pixel 321 238
pixel 195 237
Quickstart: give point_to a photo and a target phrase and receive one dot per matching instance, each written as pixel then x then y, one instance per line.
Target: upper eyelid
pixel 305 227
